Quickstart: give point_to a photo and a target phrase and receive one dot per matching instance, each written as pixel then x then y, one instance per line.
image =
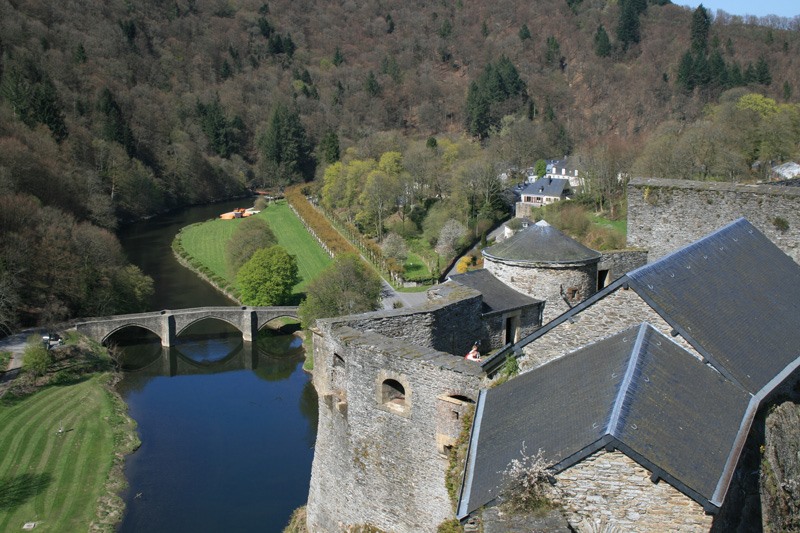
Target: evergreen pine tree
pixel 371 85
pixel 749 75
pixel 735 76
pixel 701 24
pixel 718 71
pixel 524 33
pixel 338 58
pixel 628 27
pixel 285 147
pixel 329 147
pixel 602 44
pixel 762 74
pixel 702 73
pixel 686 78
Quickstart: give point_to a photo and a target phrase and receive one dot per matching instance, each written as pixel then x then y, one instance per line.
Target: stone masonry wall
pixel 619 310
pixel 446 322
pixel 546 282
pixel 377 461
pixel 495 327
pixel 664 215
pixel 608 491
pixel 620 262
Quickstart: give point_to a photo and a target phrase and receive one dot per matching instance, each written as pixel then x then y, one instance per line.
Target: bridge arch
pixel 109 334
pixel 186 326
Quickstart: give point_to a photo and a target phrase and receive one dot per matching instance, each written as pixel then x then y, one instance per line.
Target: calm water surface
pixel 227 427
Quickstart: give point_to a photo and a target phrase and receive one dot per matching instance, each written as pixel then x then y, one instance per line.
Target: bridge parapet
pixel 168 324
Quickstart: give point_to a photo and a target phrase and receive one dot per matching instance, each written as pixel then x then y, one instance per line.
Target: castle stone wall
pixel 446 322
pixel 620 262
pixel 664 215
pixel 619 310
pixel 495 326
pixel 608 491
pixel 377 458
pixel 545 282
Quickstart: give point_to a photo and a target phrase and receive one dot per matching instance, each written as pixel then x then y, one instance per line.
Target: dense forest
pixel 114 111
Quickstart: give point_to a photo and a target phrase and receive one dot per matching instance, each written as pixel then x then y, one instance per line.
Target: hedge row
pixel 316 223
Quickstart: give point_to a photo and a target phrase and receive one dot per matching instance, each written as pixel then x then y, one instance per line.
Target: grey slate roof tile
pixel 636 389
pixel 541 243
pixel 735 296
pixel 497 296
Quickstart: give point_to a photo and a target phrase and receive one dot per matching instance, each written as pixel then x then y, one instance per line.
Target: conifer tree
pixel 628 27
pixel 762 74
pixel 602 44
pixel 686 72
pixel 701 24
pixel 285 148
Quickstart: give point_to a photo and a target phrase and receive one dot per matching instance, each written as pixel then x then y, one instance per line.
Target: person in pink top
pixel 474 354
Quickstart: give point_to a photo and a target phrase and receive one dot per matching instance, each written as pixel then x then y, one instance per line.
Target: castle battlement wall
pixel 664 215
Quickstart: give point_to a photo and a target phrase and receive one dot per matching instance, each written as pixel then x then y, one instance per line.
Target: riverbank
pixel 201 248
pixel 64 440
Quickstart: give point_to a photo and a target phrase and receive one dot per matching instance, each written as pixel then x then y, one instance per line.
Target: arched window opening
pixel 393 392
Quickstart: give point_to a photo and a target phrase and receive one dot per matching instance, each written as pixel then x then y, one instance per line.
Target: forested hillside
pixel 112 111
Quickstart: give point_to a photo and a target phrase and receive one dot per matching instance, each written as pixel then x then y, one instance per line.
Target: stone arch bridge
pixel 168 324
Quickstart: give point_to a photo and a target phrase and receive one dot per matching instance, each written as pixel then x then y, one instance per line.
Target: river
pixel 227 428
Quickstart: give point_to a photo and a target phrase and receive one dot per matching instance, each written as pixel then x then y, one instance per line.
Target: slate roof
pixel 497 296
pixel 541 243
pixel 735 297
pixel 636 391
pixel 556 187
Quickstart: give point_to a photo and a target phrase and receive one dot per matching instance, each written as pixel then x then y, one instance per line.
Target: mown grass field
pixel 52 478
pixel 206 243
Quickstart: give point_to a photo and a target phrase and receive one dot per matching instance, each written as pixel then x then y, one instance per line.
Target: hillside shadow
pixel 16 490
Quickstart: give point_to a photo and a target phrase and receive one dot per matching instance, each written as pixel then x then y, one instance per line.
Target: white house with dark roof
pixel 563 169
pixel 544 191
pixel 656 378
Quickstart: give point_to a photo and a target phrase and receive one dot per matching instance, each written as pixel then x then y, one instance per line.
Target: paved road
pixel 16 345
pixel 408 299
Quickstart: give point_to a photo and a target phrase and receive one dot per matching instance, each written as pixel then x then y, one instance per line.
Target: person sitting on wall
pixel 474 354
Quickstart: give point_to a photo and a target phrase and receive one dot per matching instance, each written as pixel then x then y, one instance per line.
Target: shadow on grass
pixel 16 490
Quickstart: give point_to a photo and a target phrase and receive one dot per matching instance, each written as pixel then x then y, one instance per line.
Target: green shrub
pixel 36 358
pixel 781 224
pixel 450 526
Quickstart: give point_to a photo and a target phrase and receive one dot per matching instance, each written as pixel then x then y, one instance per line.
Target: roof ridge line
pixel 616 413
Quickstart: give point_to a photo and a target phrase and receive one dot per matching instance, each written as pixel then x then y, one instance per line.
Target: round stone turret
pixel 546 264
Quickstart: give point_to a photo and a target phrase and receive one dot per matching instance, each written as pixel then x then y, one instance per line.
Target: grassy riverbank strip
pixel 202 245
pixel 62 449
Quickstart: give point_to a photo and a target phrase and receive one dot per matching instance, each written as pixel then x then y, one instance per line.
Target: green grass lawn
pixel 206 243
pixel 50 478
pixel 415 268
pixel 620 225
